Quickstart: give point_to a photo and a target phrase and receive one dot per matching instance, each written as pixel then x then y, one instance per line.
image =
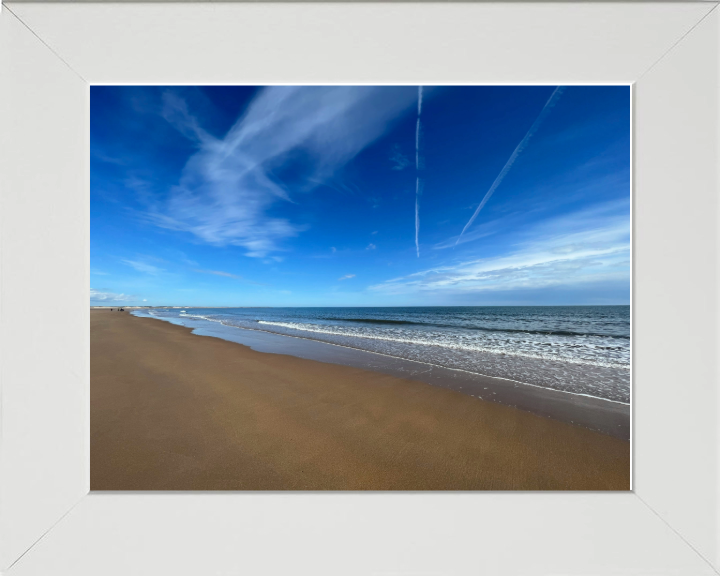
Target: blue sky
pixel 358 196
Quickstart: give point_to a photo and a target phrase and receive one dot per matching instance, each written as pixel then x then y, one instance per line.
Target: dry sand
pixel 174 411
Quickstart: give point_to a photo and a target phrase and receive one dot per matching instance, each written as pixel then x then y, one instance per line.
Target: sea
pixel 582 350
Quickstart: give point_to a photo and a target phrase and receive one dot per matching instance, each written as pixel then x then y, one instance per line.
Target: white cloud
pixel 562 252
pixel 143 267
pixel 144 299
pixel 175 111
pixel 371 246
pixel 98 154
pixel 98 296
pixel 347 277
pixel 399 160
pixel 227 188
pixel 220 273
pixel 229 275
pixel 185 260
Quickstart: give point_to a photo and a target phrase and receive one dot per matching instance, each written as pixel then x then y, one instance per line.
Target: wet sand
pixel 171 410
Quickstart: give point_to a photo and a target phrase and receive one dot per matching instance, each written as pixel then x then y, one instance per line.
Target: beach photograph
pixel 360 288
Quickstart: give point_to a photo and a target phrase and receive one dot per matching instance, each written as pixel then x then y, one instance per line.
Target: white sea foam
pixel 437 341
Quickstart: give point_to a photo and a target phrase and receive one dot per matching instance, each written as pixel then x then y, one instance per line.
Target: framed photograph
pixel 470 251
pixel 400 329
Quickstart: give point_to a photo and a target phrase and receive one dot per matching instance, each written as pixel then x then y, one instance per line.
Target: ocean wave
pixel 482 328
pixel 186 315
pixel 314 328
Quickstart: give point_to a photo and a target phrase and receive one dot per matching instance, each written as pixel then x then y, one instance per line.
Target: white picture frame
pixel 50 53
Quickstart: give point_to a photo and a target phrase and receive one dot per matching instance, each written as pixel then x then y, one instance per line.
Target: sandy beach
pixel 171 410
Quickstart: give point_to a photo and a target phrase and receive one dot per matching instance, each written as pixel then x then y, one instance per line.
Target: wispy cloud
pixel 347 277
pixel 227 188
pixel 98 154
pixel 101 296
pixel 566 251
pixel 399 160
pixel 175 111
pixel 185 260
pixel 229 275
pixel 143 267
pixel 370 246
pixel 220 273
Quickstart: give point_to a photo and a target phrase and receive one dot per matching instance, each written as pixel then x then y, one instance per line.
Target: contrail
pixel 520 147
pixel 418 167
pixel 417 144
pixel 418 131
pixel 418 193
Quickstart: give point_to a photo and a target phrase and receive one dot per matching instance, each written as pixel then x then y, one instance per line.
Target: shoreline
pixel 170 411
pixel 592 412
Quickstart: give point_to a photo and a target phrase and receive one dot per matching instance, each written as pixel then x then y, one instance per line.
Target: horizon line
pixel 384 306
